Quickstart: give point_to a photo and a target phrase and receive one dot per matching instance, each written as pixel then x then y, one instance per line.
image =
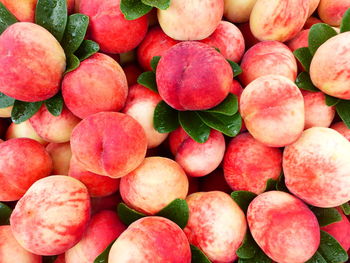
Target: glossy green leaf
pixel 228 107
pixel 331 101
pixel 128 215
pixel 160 4
pixel 52 15
pixel 271 184
pixel 326 216
pixel 103 257
pixel 75 32
pixel 6 18
pixel 165 118
pixel 177 211
pixel 304 56
pixel 343 110
pixel 154 63
pixel 72 63
pixel 49 259
pixel 55 104
pixel 317 258
pixel 236 69
pixel 259 257
pixel 346 208
pixel 243 199
pixel 6 101
pixel 148 80
pixel 345 23
pixel 5 213
pixel 319 33
pixel 87 49
pixel 331 250
pixel 194 126
pixel 248 248
pixel 228 125
pixel 198 256
pixel 133 9
pixel 304 82
pixel 23 111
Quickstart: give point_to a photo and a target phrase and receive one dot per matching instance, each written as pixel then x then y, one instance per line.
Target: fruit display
pixel 174 131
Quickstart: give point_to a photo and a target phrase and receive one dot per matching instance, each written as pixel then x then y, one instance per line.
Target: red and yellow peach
pixel 23 130
pixel 342 129
pixel 332 11
pixel 6 112
pixel 61 155
pixel 238 11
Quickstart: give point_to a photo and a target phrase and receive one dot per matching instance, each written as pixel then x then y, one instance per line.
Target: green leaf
pixel 6 101
pixel 75 32
pixel 52 15
pixel 281 185
pixel 6 18
pixel 128 215
pixel 259 257
pixel 345 23
pixel 331 250
pixel 228 125
pixel 72 63
pixel 133 9
pixel 177 211
pixel 55 104
pixel 319 33
pixel 228 107
pixel 317 258
pixel 236 69
pixel 5 213
pixel 346 208
pixel 304 82
pixel 103 257
pixel 148 80
pixel 198 256
pixel 248 248
pixel 326 216
pixel 87 49
pixel 49 259
pixel 161 4
pixel 331 101
pixel 154 62
pixel 194 126
pixel 271 184
pixel 243 199
pixel 165 118
pixel 304 56
pixel 343 110
pixel 23 111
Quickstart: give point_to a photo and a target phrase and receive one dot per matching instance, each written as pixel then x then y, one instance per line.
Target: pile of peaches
pixel 174 131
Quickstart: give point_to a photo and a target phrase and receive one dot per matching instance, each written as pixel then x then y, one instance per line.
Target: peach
pixel 140 105
pixel 97 185
pixel 236 88
pixel 132 72
pixel 216 225
pixel 342 129
pixel 103 228
pixel 318 160
pixel 156 43
pixel 110 202
pixel 109 143
pixel 23 130
pixel 334 80
pixel 317 113
pixel 278 20
pixel 99 84
pixel 340 231
pixel 22 162
pixel 153 185
pixel 272 108
pixel 214 181
pixel 120 35
pixel 248 164
pixel 24 10
pixel 52 215
pixel 32 62
pixel 311 21
pixel 300 40
pixel 11 251
pixel 313 4
pixel 193 76
pixel 6 112
pixel 197 159
pixel 61 155
pixel 238 11
pixel 151 240
pixel 228 39
pixel 249 39
pixel 54 129
pixel 332 11
pixel 194 20
pixel 269 57
pixel 283 227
